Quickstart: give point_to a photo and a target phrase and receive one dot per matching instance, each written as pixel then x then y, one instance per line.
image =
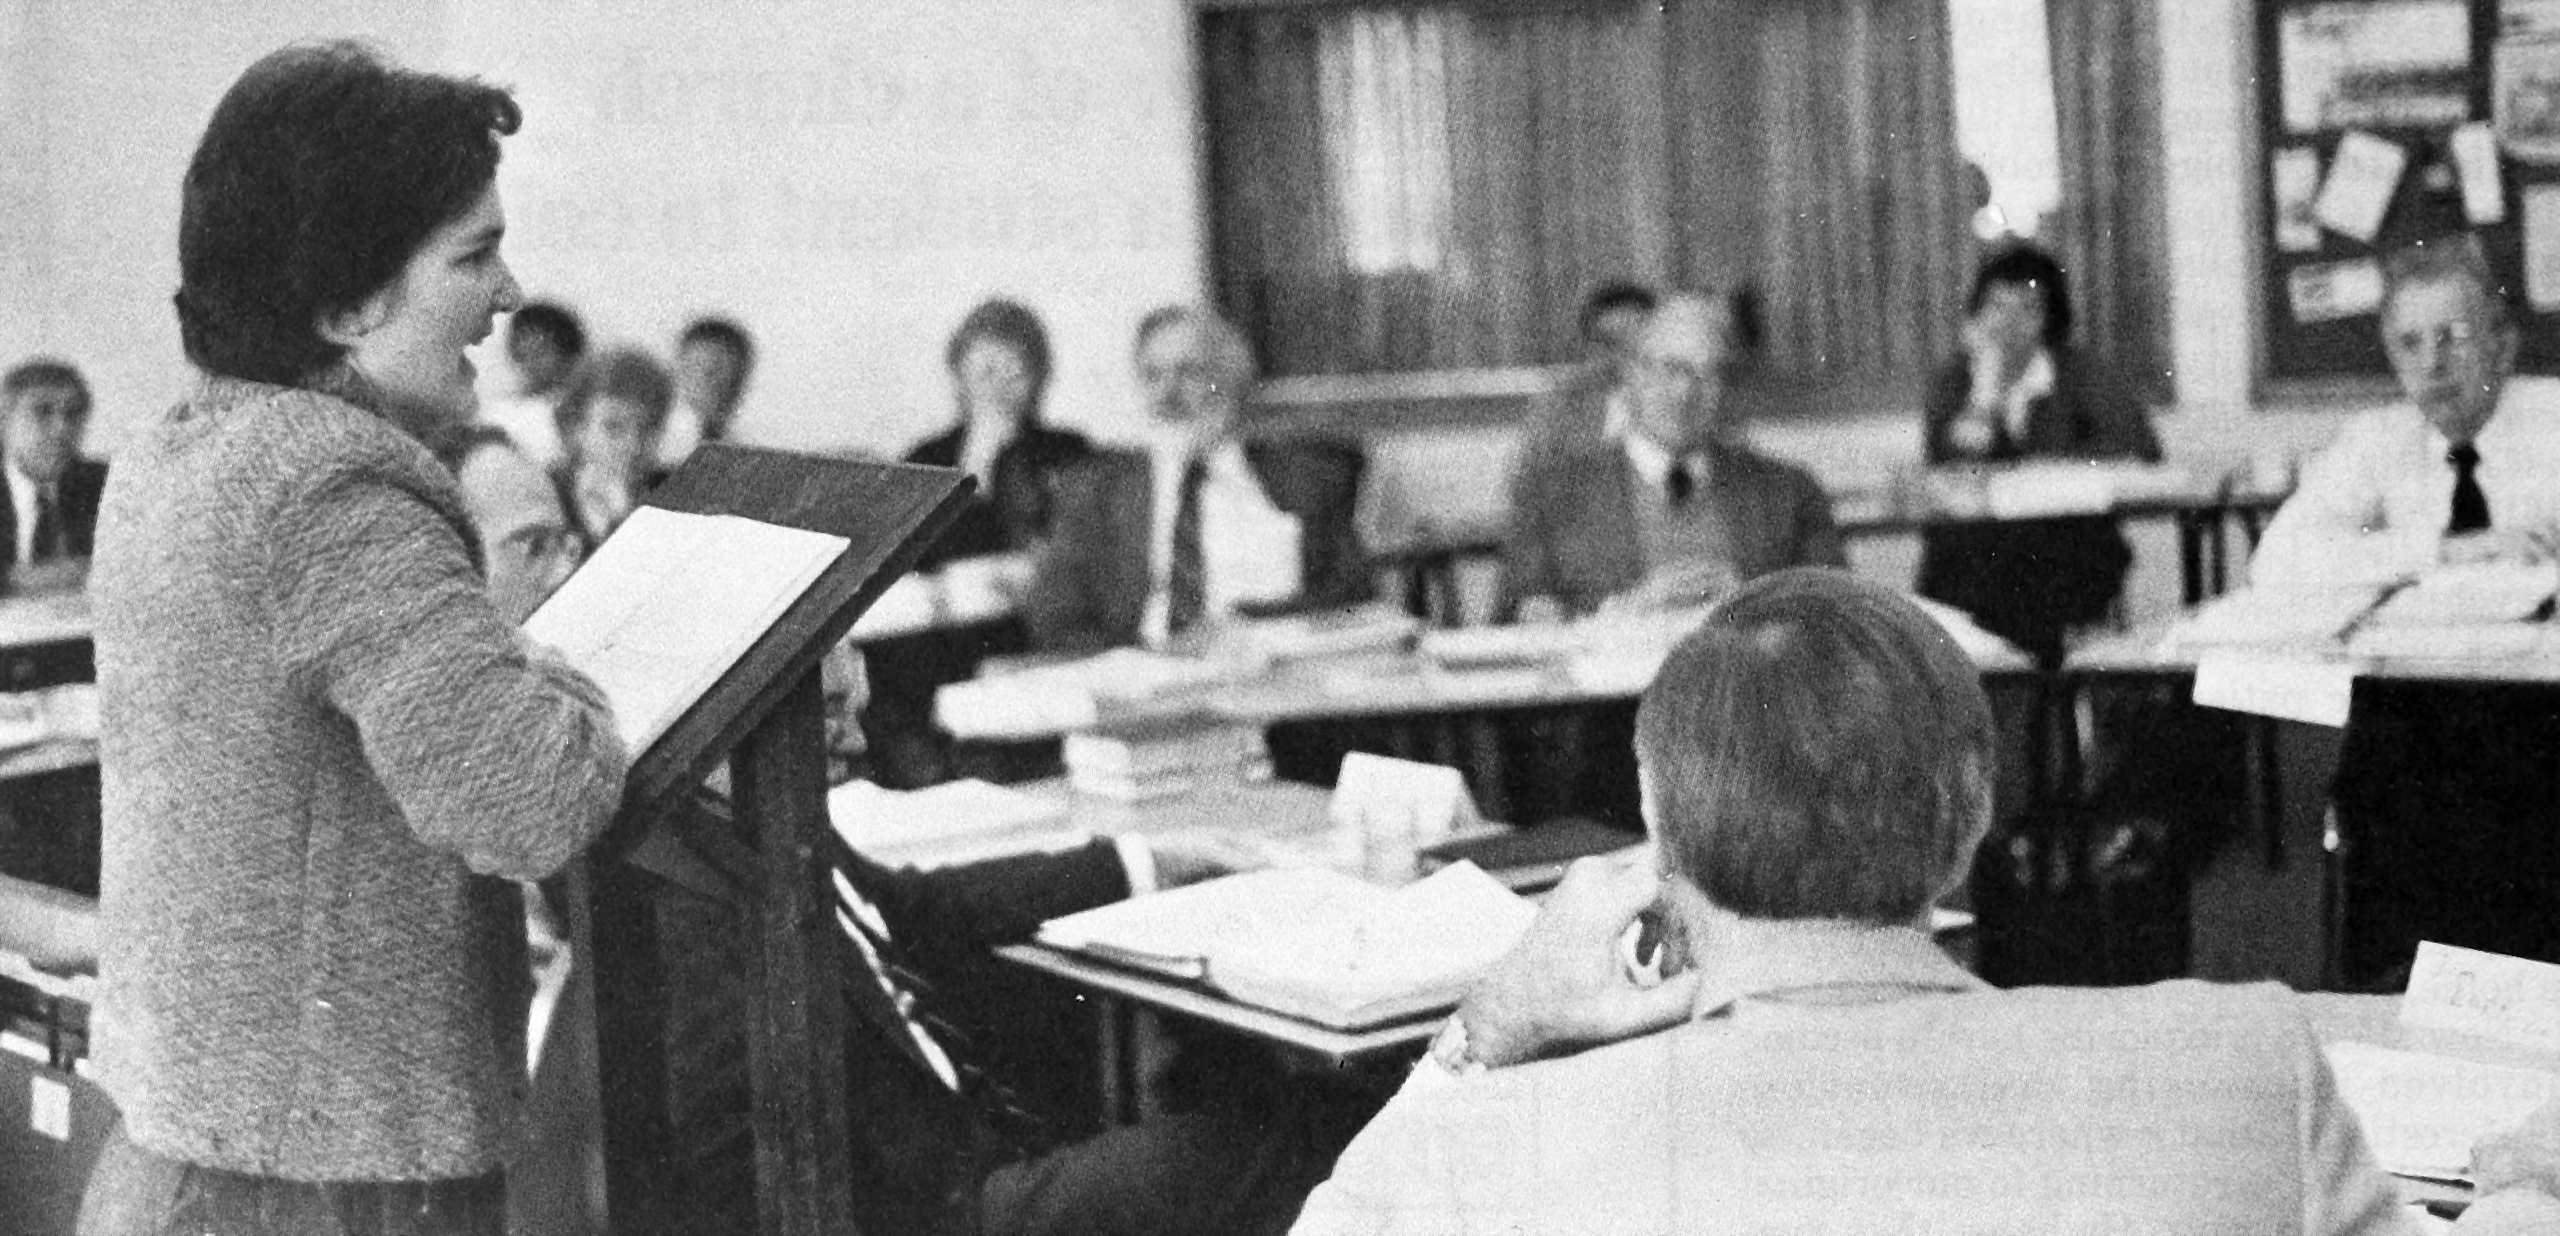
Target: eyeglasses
pixel 2445 337
pixel 1672 367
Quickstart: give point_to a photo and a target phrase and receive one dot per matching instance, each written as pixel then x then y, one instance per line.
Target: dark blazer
pixel 917 1146
pixel 1090 591
pixel 77 491
pixel 2030 580
pixel 1573 532
pixel 1012 510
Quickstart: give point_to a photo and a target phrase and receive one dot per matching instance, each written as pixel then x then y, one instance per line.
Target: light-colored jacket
pixel 324 756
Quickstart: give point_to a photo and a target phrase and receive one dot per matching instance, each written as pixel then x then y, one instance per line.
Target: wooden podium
pixel 765 719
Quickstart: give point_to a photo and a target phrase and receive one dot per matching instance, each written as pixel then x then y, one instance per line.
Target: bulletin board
pixel 2383 121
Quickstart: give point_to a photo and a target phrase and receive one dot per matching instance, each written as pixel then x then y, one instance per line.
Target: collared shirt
pixel 1653 464
pixel 2373 506
pixel 23 494
pixel 1248 547
pixel 678 437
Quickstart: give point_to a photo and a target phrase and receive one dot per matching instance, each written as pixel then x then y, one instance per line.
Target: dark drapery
pixel 2112 230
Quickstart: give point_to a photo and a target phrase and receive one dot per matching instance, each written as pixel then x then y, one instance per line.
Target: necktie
pixel 1187 575
pixel 2470 505
pixel 1678 484
pixel 47 542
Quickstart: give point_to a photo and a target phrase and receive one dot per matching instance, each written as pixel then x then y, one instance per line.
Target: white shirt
pixel 1652 465
pixel 2373 506
pixel 1248 547
pixel 681 433
pixel 528 421
pixel 23 493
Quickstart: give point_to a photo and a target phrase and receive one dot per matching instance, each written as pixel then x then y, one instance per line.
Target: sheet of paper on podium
pixel 670 602
pixel 2422 1112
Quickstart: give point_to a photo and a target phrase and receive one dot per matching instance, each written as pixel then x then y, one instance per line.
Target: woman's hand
pixel 1565 984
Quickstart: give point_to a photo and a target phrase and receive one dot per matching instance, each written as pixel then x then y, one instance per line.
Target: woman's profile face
pixel 407 341
pixel 994 380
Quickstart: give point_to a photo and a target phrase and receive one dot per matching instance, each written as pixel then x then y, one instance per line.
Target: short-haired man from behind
pixel 714 358
pixel 1815 763
pixel 52 507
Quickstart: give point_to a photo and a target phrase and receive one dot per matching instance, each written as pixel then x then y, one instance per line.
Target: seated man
pixel 1671 510
pixel 52 506
pixel 2445 793
pixel 714 359
pixel 944 1142
pixel 545 346
pixel 1815 763
pixel 1147 546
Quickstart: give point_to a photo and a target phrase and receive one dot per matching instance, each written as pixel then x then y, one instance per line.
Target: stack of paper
pixel 670 602
pixel 1057 699
pixel 1158 756
pixel 949 825
pixel 2308 619
pixel 67 713
pixel 2422 1113
pixel 1327 633
pixel 1312 943
pixel 2031 491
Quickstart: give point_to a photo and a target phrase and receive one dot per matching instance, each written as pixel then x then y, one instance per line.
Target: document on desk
pixel 1312 943
pixel 949 825
pixel 2421 1112
pixel 2316 690
pixel 670 602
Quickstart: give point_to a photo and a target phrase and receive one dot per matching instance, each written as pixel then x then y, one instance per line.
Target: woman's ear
pixel 345 327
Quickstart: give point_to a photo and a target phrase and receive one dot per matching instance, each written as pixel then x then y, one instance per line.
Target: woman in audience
pixel 2020 391
pixel 999 363
pixel 325 753
pixel 609 431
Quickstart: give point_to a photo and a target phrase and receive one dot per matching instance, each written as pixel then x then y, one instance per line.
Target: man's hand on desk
pixel 1565 985
pixel 2525 545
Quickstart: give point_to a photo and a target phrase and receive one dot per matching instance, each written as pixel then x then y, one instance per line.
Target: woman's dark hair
pixel 323 169
pixel 1611 297
pixel 2035 268
pixel 723 331
pixel 1012 324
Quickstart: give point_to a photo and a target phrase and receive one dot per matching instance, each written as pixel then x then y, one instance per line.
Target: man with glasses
pixel 1672 509
pixel 2459 472
pixel 2444 794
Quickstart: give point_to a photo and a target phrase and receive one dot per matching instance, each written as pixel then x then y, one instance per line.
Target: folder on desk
pixel 1312 943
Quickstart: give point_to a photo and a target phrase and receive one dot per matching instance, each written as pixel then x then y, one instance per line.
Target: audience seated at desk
pixel 2445 795
pixel 714 358
pixel 1202 525
pixel 999 361
pixel 546 344
pixel 1810 1062
pixel 2021 391
pixel 1670 507
pixel 609 431
pixel 52 507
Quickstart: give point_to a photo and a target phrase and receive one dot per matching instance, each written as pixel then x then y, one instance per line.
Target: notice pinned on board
pixel 2475 160
pixel 2363 175
pixel 2296 172
pixel 2329 291
pixel 2317 691
pixel 2487 994
pixel 2542 246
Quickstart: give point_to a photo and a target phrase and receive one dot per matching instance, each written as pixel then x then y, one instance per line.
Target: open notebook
pixel 670 602
pixel 1312 943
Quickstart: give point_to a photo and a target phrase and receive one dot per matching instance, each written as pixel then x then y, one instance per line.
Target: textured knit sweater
pixel 324 755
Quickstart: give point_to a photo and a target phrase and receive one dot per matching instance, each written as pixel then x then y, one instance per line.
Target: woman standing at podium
pixel 324 752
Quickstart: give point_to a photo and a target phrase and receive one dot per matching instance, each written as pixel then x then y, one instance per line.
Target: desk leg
pixel 1116 1047
pixel 2191 566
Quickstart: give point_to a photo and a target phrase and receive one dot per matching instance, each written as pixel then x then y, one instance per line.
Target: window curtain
pixel 1864 249
pixel 1399 188
pixel 2111 231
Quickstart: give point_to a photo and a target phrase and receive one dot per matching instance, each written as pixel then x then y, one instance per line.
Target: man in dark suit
pixel 1158 544
pixel 1668 507
pixel 52 506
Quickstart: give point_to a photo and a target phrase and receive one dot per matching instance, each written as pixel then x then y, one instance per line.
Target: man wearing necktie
pixel 1155 547
pixel 2445 793
pixel 1671 510
pixel 52 506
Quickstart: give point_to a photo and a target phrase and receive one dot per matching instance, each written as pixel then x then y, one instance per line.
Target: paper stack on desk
pixel 1325 633
pixel 2478 611
pixel 948 825
pixel 1056 699
pixel 1312 943
pixel 1153 757
pixel 2309 619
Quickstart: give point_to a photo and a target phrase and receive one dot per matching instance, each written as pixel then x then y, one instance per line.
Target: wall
pixel 847 179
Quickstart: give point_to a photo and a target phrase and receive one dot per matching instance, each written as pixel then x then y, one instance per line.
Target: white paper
pixel 2475 156
pixel 670 601
pixel 2328 291
pixel 2471 593
pixel 2524 19
pixel 2525 98
pixel 1433 797
pixel 2396 62
pixel 2297 689
pixel 2363 175
pixel 2422 1113
pixel 944 825
pixel 2488 994
pixel 2542 245
pixel 2296 173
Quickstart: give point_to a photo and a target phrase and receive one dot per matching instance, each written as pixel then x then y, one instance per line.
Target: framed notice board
pixel 2385 121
